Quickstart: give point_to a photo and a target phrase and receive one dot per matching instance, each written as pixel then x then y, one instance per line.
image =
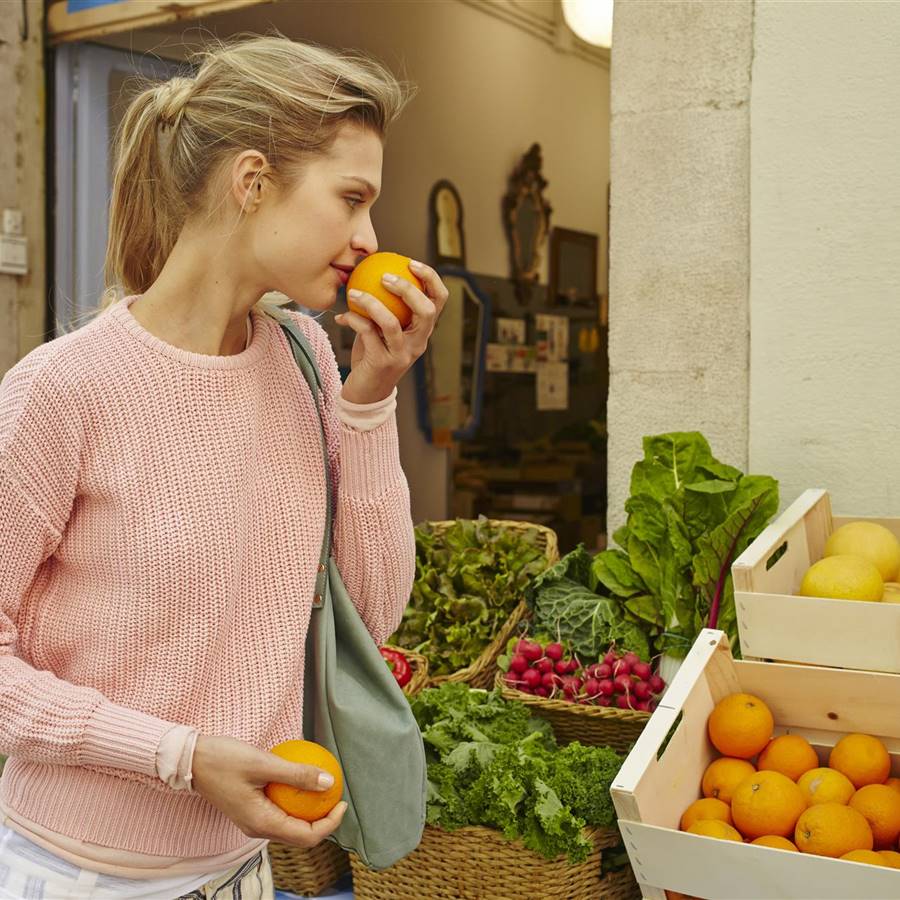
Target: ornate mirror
pixel 526 221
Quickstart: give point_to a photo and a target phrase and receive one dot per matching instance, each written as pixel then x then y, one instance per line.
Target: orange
pixel 723 775
pixel 790 754
pixel 767 803
pixel 832 829
pixel 308 805
pixel 891 857
pixel 776 841
pixel 870 857
pixel 894 784
pixel 740 726
pixel 826 786
pixel 881 807
pixel 715 828
pixel 367 277
pixel 708 808
pixel 862 758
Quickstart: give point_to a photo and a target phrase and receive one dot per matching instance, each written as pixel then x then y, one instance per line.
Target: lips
pixel 343 274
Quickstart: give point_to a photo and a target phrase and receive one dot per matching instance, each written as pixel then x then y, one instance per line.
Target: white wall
pixel 487 91
pixel 825 251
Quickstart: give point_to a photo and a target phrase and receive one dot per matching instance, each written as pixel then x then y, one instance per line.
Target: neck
pixel 197 303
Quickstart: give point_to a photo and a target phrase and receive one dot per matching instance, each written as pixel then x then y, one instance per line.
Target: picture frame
pixel 446 225
pixel 573 268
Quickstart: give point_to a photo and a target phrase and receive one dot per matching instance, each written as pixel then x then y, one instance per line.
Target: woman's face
pixel 299 237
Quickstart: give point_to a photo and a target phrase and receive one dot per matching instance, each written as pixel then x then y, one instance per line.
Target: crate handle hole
pixel 669 735
pixel 776 556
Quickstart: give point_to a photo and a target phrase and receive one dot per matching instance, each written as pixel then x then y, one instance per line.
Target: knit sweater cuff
pixel 370 461
pixel 122 739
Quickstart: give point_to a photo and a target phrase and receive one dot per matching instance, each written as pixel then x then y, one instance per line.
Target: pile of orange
pixel 849 809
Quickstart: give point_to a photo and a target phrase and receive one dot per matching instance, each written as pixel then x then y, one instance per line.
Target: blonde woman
pixel 162 498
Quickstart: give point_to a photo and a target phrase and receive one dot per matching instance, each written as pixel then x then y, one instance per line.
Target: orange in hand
pixel 307 805
pixel 367 277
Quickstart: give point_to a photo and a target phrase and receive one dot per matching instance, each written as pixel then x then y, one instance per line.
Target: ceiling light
pixel 591 20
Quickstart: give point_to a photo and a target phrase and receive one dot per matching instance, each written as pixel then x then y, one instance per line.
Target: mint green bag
pixel 354 706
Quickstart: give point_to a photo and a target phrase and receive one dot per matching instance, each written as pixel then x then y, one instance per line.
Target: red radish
pixel 532 652
pixel 641 690
pixel 592 687
pixel 623 701
pixel 643 705
pixel 606 687
pixel 554 651
pixel 622 683
pixel 604 670
pixel 561 668
pixel 541 692
pixel 610 658
pixel 604 701
pixel 657 685
pixel 642 670
pixel 631 658
pixel 532 678
pixel 544 665
pixel 621 668
pixel 521 645
pixel 548 680
pixel 518 663
pixel 574 666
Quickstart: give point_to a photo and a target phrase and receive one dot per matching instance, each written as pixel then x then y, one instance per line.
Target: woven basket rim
pixel 563 706
pixel 419 665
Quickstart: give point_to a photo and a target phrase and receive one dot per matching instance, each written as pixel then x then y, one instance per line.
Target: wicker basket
pixel 598 726
pixel 480 674
pixel 480 864
pixel 307 872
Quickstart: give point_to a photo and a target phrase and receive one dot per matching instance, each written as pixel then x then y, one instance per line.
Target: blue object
pixel 80 5
pixel 343 890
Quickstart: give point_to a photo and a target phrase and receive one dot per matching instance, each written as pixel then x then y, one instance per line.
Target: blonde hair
pixel 286 99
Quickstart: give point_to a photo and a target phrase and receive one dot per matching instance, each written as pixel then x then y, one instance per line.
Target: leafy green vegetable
pixel 469 579
pixel 564 602
pixel 689 517
pixel 492 764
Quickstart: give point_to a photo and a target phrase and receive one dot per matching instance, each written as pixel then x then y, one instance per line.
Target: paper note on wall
pixel 552 385
pixel 552 337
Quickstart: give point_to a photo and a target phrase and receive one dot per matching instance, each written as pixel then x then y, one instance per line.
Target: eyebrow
pixel 372 190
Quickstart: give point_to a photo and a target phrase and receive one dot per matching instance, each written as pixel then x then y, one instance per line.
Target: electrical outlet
pixel 13 255
pixel 13 221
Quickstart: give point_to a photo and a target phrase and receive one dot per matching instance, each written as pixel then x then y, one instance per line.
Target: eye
pixel 354 201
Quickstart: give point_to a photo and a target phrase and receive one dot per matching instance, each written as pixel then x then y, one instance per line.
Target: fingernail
pixel 415 264
pixel 355 294
pixel 390 279
pixel 325 780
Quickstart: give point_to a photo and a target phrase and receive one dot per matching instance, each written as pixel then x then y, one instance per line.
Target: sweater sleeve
pixel 43 718
pixel 374 544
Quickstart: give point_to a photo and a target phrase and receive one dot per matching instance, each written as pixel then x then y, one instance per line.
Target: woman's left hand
pixel 383 351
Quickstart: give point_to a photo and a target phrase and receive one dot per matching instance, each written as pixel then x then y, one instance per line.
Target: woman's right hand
pixel 231 775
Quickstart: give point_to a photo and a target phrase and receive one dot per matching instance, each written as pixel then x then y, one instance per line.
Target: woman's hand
pixel 383 351
pixel 231 775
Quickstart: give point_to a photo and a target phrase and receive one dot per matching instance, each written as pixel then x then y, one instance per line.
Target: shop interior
pixel 497 174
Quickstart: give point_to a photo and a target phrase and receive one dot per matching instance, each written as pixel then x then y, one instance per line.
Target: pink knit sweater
pixel 161 516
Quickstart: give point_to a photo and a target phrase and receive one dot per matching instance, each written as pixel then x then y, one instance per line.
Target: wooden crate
pixel 776 625
pixel 661 778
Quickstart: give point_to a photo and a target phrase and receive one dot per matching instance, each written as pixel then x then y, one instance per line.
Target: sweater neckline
pixel 249 356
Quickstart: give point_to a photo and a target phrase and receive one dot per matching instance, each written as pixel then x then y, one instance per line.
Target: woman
pixel 161 489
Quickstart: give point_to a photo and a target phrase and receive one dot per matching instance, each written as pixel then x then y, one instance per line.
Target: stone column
pixel 679 270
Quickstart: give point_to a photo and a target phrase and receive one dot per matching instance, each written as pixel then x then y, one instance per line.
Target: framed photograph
pixel 448 238
pixel 573 268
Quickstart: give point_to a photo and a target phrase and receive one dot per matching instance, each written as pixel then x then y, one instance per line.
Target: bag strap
pixel 306 362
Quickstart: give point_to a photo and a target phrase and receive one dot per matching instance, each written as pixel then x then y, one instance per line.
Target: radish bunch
pixel 620 679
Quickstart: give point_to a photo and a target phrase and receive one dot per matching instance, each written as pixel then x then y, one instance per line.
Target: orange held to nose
pixel 308 805
pixel 367 277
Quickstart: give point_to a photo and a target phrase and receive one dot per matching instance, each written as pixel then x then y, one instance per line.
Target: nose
pixel 365 241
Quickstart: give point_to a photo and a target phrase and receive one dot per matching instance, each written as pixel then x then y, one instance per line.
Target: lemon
pixel 870 540
pixel 891 592
pixel 843 578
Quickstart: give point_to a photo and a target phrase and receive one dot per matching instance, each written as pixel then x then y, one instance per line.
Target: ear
pixel 249 179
